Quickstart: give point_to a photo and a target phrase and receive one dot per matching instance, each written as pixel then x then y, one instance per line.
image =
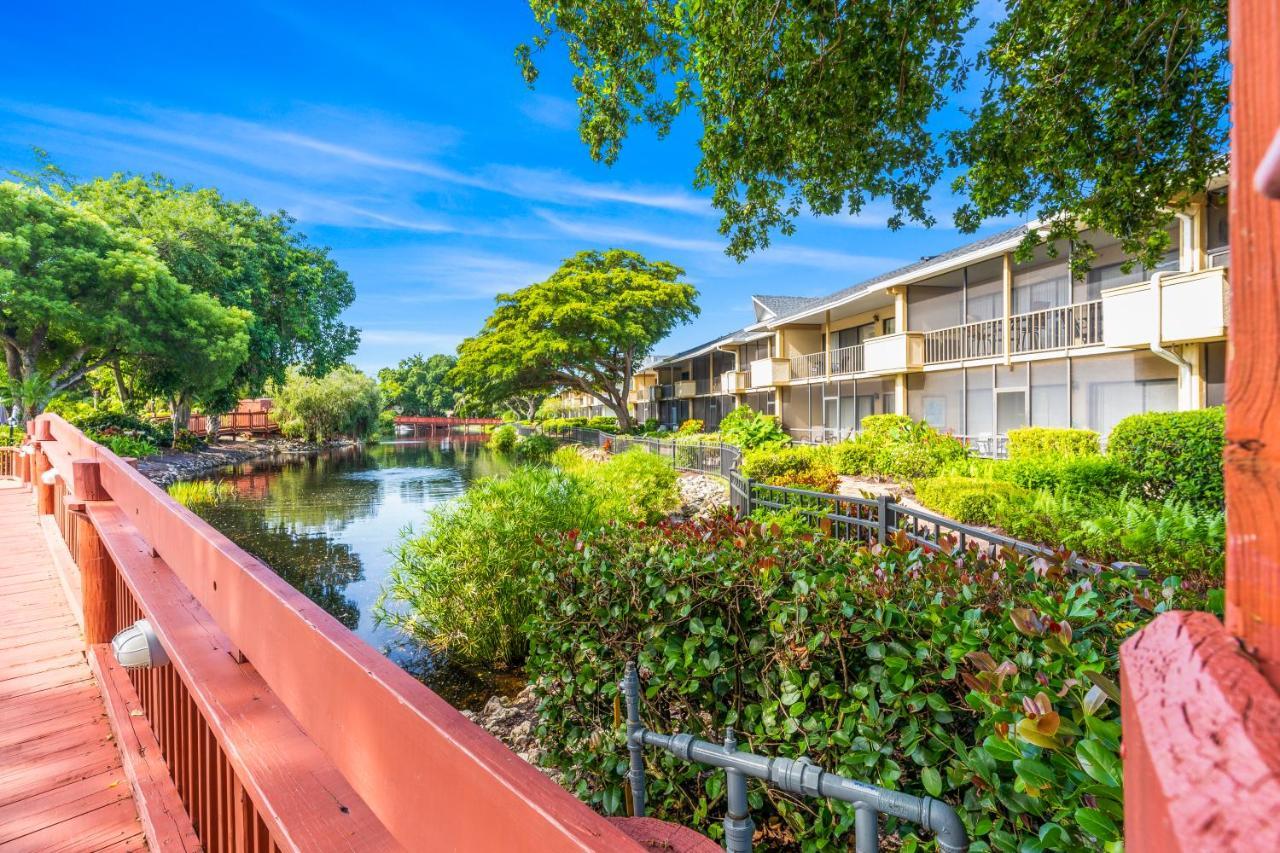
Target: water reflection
pixel 327 523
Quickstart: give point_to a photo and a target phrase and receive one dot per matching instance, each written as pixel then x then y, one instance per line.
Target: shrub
pixel 562 424
pixel 1171 538
pixel 604 423
pixel 896 447
pixel 503 439
pixel 343 402
pixel 966 499
pixel 465 584
pixel 692 426
pixel 11 437
pixel 797 466
pixel 650 424
pixel 635 486
pixel 1030 442
pixel 125 445
pixel 1178 455
pixel 118 423
pixel 1083 475
pixel 973 683
pixel 750 430
pixel 535 448
pixel 387 423
pixel 187 441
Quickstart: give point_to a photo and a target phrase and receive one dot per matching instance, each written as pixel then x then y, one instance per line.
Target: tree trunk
pixel 181 408
pixel 213 425
pixel 623 416
pixel 122 390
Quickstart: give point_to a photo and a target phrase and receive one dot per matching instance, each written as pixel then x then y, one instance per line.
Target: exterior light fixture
pixel 138 647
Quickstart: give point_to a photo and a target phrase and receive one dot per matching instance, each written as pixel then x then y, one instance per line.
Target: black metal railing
pixel 879 519
pixel 702 458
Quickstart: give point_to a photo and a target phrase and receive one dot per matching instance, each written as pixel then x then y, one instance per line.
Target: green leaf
pixel 932 781
pixel 1099 762
pixel 1097 824
pixel 1034 773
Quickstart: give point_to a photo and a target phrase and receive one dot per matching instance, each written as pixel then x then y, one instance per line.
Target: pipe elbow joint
pixel 946 826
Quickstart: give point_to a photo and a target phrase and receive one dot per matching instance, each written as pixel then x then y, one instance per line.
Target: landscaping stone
pixel 701 494
pixel 512 721
pixel 171 465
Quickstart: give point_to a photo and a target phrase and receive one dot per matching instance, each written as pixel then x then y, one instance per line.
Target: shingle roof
pixel 968 248
pixel 779 306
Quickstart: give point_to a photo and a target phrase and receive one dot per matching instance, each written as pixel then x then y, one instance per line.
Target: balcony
pixel 895 353
pixel 846 360
pixel 1194 307
pixel 685 388
pixel 659 392
pixel 1036 331
pixel 766 372
pixel 811 366
pixel 734 381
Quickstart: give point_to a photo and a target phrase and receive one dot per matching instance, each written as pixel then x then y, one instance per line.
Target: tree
pixel 76 294
pixel 1107 112
pixel 343 402
pixel 293 292
pixel 420 386
pixel 587 327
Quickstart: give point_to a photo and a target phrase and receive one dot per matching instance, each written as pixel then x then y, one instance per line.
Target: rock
pixel 513 721
pixel 701 494
pixel 174 465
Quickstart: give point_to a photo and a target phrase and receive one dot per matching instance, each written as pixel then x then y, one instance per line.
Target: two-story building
pixel 977 343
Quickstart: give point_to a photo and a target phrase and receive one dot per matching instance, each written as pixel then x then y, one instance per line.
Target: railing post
pixel 635 731
pixel 43 490
pixel 97 572
pixel 738 826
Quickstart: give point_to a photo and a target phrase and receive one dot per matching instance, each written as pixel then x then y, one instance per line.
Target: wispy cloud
pixel 550 111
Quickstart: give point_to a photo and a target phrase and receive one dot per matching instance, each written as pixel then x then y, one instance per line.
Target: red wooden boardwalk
pixel 62 786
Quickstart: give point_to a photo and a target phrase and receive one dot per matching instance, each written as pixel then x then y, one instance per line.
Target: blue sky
pixel 402 136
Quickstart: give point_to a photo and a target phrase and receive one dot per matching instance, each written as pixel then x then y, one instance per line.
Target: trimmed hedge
pixel 1178 455
pixel 1082 475
pixel 1030 442
pixel 896 447
pixel 976 682
pixel 798 466
pixel 970 500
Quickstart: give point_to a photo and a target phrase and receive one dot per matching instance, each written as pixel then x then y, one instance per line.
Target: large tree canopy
pixel 76 294
pixel 420 386
pixel 293 292
pixel 587 327
pixel 1105 111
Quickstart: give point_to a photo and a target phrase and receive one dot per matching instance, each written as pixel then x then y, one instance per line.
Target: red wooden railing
pixel 420 420
pixel 1200 699
pixel 273 727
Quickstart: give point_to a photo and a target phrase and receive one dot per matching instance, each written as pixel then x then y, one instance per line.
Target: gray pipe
pixel 797 776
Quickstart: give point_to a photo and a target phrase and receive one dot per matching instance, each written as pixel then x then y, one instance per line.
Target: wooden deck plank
pixel 62 785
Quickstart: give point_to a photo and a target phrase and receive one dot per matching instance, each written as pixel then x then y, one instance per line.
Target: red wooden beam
pixel 1201 714
pixel 1253 370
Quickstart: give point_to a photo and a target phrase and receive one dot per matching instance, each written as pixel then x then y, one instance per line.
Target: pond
pixel 328 523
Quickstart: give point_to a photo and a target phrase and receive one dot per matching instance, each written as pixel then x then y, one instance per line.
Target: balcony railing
pixel 702 386
pixel 1036 331
pixel 734 381
pixel 1057 328
pixel 809 366
pixel 982 339
pixel 686 388
pixel 846 360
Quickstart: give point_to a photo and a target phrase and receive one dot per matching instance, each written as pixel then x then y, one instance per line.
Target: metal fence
pixel 718 459
pixel 877 519
pixel 796 776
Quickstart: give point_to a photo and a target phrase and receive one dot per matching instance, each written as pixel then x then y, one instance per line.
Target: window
pixel 889 324
pixel 1049 394
pixel 1215 373
pixel 1041 283
pixel 984 293
pixel 978 402
pixel 1108 388
pixel 936 302
pixel 1108 269
pixel 937 399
